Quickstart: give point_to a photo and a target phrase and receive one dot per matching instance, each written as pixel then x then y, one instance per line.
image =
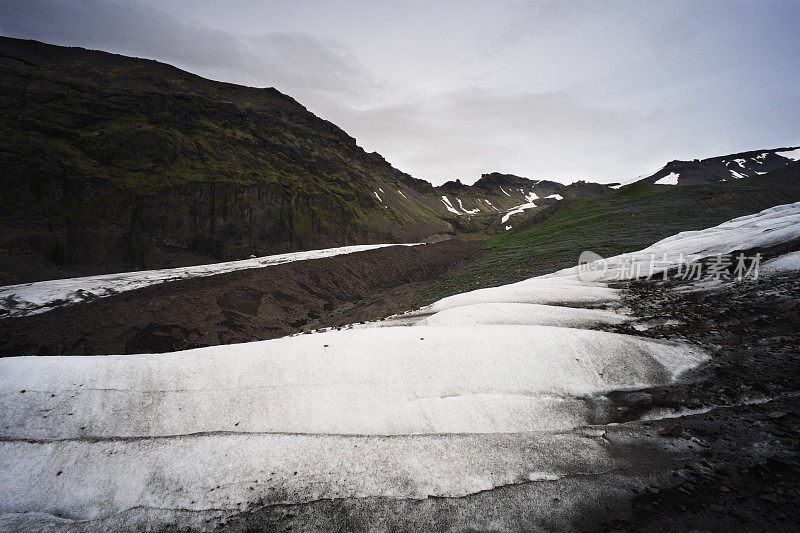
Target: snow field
pixel 479 390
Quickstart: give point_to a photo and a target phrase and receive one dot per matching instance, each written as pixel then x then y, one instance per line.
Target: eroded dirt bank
pixel 239 306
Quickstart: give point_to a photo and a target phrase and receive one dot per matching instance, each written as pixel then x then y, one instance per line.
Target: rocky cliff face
pixel 113 163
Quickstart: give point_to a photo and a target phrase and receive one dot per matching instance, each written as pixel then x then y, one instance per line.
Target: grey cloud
pixel 477 131
pixel 291 61
pixel 542 88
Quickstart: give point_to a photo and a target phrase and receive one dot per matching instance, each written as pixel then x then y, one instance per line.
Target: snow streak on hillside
pixel 480 390
pixel 33 298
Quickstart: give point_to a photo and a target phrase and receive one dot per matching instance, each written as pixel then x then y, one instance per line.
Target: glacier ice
pixel 478 390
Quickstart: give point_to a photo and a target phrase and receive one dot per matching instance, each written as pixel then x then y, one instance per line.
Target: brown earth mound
pixel 239 306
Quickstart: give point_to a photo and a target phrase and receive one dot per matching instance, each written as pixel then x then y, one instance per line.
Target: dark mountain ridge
pixel 721 168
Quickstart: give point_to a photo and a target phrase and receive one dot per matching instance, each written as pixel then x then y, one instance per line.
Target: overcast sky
pixel 597 90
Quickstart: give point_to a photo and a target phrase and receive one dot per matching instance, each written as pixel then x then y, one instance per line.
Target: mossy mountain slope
pixel 115 163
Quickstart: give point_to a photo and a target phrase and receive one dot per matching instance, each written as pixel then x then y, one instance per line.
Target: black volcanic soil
pixel 743 407
pixel 239 306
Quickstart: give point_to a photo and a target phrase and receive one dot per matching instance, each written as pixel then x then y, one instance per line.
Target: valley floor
pixel 555 403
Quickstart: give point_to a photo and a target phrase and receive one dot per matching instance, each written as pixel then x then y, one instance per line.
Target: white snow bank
pixel 555 197
pixel 669 179
pixel 477 398
pixel 785 263
pixel 38 297
pixel 761 230
pixel 380 381
pixel 525 314
pixel 206 473
pixel 541 290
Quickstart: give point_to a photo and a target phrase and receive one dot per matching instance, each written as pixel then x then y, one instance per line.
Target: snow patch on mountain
pixel 669 179
pixel 794 155
pixel 737 175
pixel 517 210
pixel 467 211
pixel 531 196
pixel 448 205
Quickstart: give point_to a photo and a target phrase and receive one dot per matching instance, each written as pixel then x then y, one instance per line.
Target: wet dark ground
pixel 746 402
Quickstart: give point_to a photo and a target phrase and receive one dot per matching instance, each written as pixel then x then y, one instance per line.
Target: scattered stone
pixel 672 430
pixel 773 414
pixel 770 498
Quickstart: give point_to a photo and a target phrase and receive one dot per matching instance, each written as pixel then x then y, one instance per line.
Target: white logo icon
pixel 591 266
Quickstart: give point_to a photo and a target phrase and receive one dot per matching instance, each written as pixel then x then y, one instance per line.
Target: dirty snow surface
pixel 485 389
pixel 32 298
pixel 785 263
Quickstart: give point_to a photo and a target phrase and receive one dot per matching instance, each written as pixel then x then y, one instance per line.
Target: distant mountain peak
pixel 723 168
